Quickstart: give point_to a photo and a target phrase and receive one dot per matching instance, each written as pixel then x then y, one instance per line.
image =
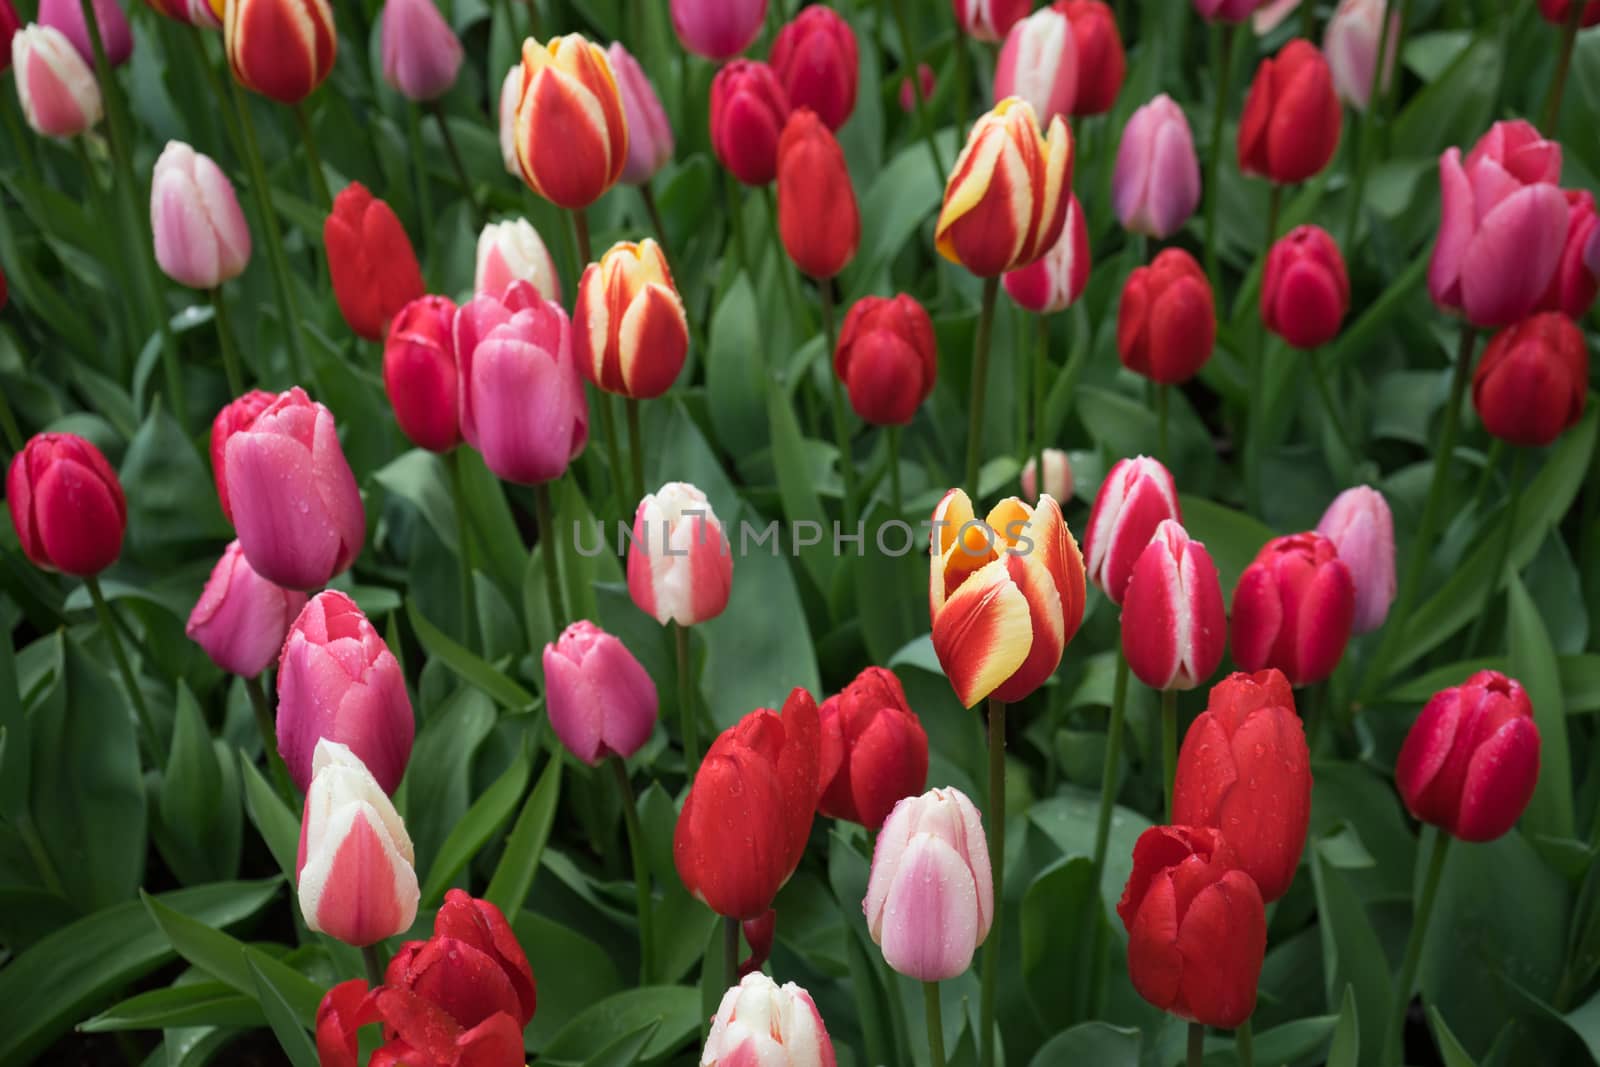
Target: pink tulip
pixel 115 35
pixel 421 53
pixel 760 1024
pixel 1053 282
pixel 1136 497
pixel 1156 185
pixel 600 699
pixel 1039 63
pixel 200 233
pixel 1351 45
pixel 419 373
pixel 1173 624
pixel 56 88
pixel 1359 524
pixel 989 20
pixel 1573 288
pixel 1271 15
pixel 1057 476
pixel 650 142
pixel 338 681
pixel 908 92
pixel 1292 609
pixel 717 29
pixel 679 566
pixel 513 251
pixel 241 618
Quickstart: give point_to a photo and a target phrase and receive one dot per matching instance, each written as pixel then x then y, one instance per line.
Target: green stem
pixel 1308 19
pixel 1569 40
pixel 635 448
pixel 1041 370
pixel 1330 403
pixel 1113 761
pixel 108 626
pixel 930 999
pixel 269 742
pixel 1222 40
pixel 1169 745
pixel 552 565
pixel 730 951
pixel 454 153
pixel 1244 1039
pixel 319 180
pixel 896 501
pixel 980 384
pixel 372 958
pixel 1161 424
pixel 648 194
pixel 1503 555
pixel 997 866
pixel 1256 430
pixel 736 218
pixel 580 228
pixel 469 591
pixel 608 433
pixel 789 273
pixel 688 713
pixel 8 424
pixel 964 79
pixel 1491 463
pixel 641 869
pixel 1395 1034
pixel 230 348
pixel 1197 1045
pixel 908 46
pixel 424 186
pixel 841 414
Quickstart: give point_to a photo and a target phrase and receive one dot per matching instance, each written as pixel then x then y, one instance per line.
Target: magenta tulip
pixel 1293 608
pixel 115 34
pixel 241 618
pixel 1173 624
pixel 421 53
pixel 600 700
pixel 717 29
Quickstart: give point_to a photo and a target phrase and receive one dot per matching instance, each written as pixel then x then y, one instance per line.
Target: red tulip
pixel 887 358
pixel 874 750
pixel 815 58
pixel 1533 380
pixel 1167 323
pixel 1558 11
pixel 10 23
pixel 817 216
pixel 66 505
pixel 570 128
pixel 1293 609
pixel 632 333
pixel 1101 63
pixel 1173 626
pixel 1305 291
pixel 1136 497
pixel 1054 281
pixel 472 966
pixel 237 415
pixel 419 373
pixel 748 110
pixel 370 261
pixel 283 49
pixel 1292 117
pixel 989 20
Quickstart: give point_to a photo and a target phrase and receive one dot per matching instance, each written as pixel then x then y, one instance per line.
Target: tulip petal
pixel 982 634
pixel 929 933
pixel 1222 941
pixel 1509 263
pixel 1154 963
pixel 1499 782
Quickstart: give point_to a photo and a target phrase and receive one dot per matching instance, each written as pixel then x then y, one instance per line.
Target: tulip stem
pixel 1569 40
pixel 736 217
pixel 1244 1038
pixel 787 269
pixel 1222 41
pixel 454 153
pixel 648 194
pixel 980 384
pixel 997 864
pixel 1503 556
pixel 1169 745
pixel 1161 424
pixel 1197 1045
pixel 1394 1036
pixel 230 348
pixel 913 63
pixel 841 416
pixel 1330 403
pixel 552 565
pixel 424 187
pixel 1041 369
pixel 8 424
pixel 319 180
pixel 930 998
pixel 372 957
pixel 469 591
pixel 265 724
pixel 1386 98
pixel 1256 431
pixel 108 626
pixel 687 711
pixel 641 870
pixel 580 227
pixel 1491 463
pixel 635 448
pixel 896 501
pixel 1113 761
pixel 730 951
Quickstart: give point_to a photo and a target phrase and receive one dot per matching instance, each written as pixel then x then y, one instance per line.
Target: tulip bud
pixel 472 967
pixel 1557 11
pixel 600 700
pixel 510 94
pixel 344 1010
pixel 1156 185
pixel 1305 291
pixel 1057 476
pixel 419 373
pixel 888 358
pixel 908 92
pixel 1573 286
pixel 1054 282
pixel 1271 14
pixel 1137 496
pixel 1351 44
pixel 1359 524
pixel 759 1024
pixel 1006 594
pixel 116 37
pixel 815 59
pixel 236 415
pixel 1173 624
pixel 930 896
pixel 10 23
pixel 56 88
pixel 200 234
pixel 241 618
pixel 874 750
pixel 744 825
pixel 370 261
pixel 989 20
pixel 679 566
pixel 649 133
pixel 338 681
pixel 571 132
pixel 632 330
pixel 355 873
pixel 1532 382
pixel 1006 201
pixel 1197 928
pixel 1039 64
pixel 817 215
pixel 748 112
pixel 199 13
pixel 295 501
pixel 421 54
pixel 1471 760
pixel 66 505
pixel 1226 10
pixel 1293 609
pixel 1101 63
pixel 717 29
pixel 1167 322
pixel 513 251
pixel 282 49
pixel 1290 127
pixel 417 1031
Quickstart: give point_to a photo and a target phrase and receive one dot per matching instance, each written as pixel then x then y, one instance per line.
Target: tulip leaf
pixel 1346 1047
pixel 627 1049
pixel 203 1003
pixel 513 876
pixel 496 684
pixel 482 821
pixel 1352 955
pixel 1059 913
pixel 796 488
pixel 736 372
pixel 1101 1044
pixel 278 826
pixel 198 803
pixel 674 1009
pixel 1450 1049
pixel 1533 663
pixel 1231 537
pixel 556 948
pixel 281 1017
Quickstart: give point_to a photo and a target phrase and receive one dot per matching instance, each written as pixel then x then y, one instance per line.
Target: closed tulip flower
pixel 1101 62
pixel 116 37
pixel 1156 185
pixel 717 29
pixel 510 95
pixel 1531 385
pixel 10 23
pixel 989 20
pixel 1226 10
pixel 1197 928
pixel 1167 320
pixel 473 966
pixel 419 373
pixel 743 827
pixel 1006 202
pixel 601 701
pixel 571 131
pixel 760 1024
pixel 1291 122
pixel 421 54
pixel 679 566
pixel 355 874
pixel 241 618
pixel 1039 64
pixel 1173 624
pixel 1293 609
pixel 513 251
pixel 1557 11
pixel 295 501
pixel 632 332
pixel 888 358
pixel 930 896
pixel 748 111
pixel 1057 476
pixel 1055 281
pixel 1361 527
pixel 874 751
pixel 1137 496
pixel 236 415
pixel 1471 760
pixel 282 49
pixel 194 12
pixel 66 505
pixel 417 1032
pixel 1351 45
pixel 650 142
pixel 370 261
pixel 200 234
pixel 1502 226
pixel 817 216
pixel 56 88
pixel 1305 291
pixel 815 59
pixel 1006 594
pixel 925 86
pixel 1572 288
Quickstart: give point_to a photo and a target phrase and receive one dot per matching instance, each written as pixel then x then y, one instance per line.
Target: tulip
pixel 1156 185
pixel 632 331
pixel 200 234
pixel 1197 928
pixel 338 681
pixel 908 92
pixel 513 251
pixel 816 61
pixel 236 415
pixel 650 142
pixel 1572 288
pixel 1006 201
pixel 344 1010
pixel 1226 10
pixel 421 53
pixel 1305 291
pixel 989 20
pixel 1173 623
pixel 1006 594
pixel 510 94
pixel 1502 227
pixel 679 566
pixel 744 825
pixel 193 12
pixel 10 23
pixel 1039 64
pixel 1471 760
pixel 888 358
pixel 370 260
pixel 295 501
pixel 241 618
pixel 759 933
pixel 717 29
pixel 1351 45
pixel 1293 609
pixel 419 373
pixel 1271 15
pixel 930 896
pixel 600 700
pixel 1101 63
pixel 1057 476
pixel 472 967
pixel 1055 281
pixel 748 112
pixel 418 1032
pixel 571 131
pixel 56 88
pixel 282 49
pixel 355 870
pixel 1557 11
pixel 66 505
pixel 116 37
pixel 817 215
pixel 759 1024
pixel 874 750
pixel 1359 524
pixel 1292 118
pixel 1167 322
pixel 1137 496
pixel 1532 382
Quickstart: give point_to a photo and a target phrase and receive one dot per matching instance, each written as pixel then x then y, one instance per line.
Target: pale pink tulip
pixel 650 141
pixel 1361 527
pixel 1351 44
pixel 760 1024
pixel 200 234
pixel 1156 185
pixel 56 88
pixel 513 251
pixel 421 53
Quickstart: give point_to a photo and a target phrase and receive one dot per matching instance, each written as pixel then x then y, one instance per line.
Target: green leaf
pixel 482 821
pixel 1352 956
pixel 274 1000
pixel 1346 1047
pixel 1231 537
pixel 676 1009
pixel 1100 1044
pixel 1068 819
pixel 513 877
pixel 172 505
pixel 1533 663
pixel 1454 1055
pixel 626 1050
pixel 588 973
pixel 499 686
pixel 278 826
pixel 200 1003
pixel 736 379
pixel 801 504
pixel 200 821
pixel 1058 917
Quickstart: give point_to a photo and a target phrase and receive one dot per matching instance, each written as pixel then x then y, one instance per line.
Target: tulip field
pixel 759 533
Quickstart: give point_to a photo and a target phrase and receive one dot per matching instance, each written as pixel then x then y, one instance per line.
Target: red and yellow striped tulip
pixel 631 333
pixel 571 133
pixel 282 49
